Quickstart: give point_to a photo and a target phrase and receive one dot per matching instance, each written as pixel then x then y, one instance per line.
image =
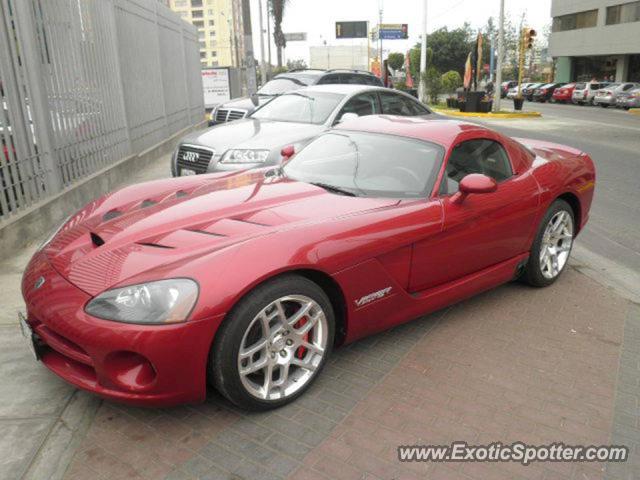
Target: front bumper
pixel 150 365
pixel 604 100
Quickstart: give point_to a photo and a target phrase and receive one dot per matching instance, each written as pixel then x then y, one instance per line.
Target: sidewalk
pixel 516 363
pixel 31 398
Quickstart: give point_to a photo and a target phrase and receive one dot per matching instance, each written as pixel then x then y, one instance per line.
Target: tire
pixel 243 330
pixel 537 274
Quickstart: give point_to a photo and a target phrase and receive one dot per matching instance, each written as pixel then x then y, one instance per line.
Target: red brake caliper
pixel 302 350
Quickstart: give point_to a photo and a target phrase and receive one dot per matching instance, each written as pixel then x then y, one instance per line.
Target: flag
pixel 407 70
pixel 467 73
pixel 479 57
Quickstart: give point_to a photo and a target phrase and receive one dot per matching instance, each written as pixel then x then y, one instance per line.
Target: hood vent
pixel 148 203
pixel 204 232
pixel 154 245
pixel 96 239
pixel 110 215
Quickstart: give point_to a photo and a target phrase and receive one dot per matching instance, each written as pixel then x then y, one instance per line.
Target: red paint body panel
pixel 232 231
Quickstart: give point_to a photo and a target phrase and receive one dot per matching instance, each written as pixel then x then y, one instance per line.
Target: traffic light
pixel 529 38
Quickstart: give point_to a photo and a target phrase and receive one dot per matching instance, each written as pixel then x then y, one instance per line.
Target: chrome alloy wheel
pixel 556 244
pixel 282 347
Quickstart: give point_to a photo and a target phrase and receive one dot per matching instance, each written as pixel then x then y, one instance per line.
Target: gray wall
pixel 603 39
pixel 86 84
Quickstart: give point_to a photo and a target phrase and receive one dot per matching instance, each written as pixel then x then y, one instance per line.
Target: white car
pixel 513 92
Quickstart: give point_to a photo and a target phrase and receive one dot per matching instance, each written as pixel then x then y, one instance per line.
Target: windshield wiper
pixel 302 95
pixel 333 188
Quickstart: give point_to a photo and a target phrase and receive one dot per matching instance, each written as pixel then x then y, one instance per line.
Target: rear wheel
pixel 273 344
pixel 552 246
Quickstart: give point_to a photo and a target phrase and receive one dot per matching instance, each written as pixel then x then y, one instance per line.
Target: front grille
pixel 194 158
pixel 229 114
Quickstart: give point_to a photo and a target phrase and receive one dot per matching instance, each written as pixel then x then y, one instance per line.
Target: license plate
pixel 27 333
pixel 185 172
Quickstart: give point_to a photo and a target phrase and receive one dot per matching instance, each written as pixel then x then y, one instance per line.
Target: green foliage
pixel 414 60
pixel 400 85
pixel 298 64
pixel 433 82
pixel 451 81
pixel 277 70
pixel 395 60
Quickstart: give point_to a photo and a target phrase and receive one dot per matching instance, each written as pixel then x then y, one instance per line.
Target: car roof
pixel 434 128
pixel 341 88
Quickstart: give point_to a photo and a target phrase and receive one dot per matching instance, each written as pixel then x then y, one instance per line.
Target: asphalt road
pixel 611 137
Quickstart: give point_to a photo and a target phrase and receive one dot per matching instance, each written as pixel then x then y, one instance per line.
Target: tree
pixel 433 82
pixel 276 9
pixel 395 60
pixel 446 50
pixel 298 64
pixel 451 81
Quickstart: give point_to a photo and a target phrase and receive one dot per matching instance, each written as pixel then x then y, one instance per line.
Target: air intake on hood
pixel 154 245
pixel 96 239
pixel 147 203
pixel 111 214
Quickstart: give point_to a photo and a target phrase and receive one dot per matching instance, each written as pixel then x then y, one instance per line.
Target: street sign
pixel 216 86
pixel 296 37
pixel 393 31
pixel 351 30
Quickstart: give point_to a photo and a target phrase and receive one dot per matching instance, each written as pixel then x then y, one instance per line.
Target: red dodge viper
pixel 247 280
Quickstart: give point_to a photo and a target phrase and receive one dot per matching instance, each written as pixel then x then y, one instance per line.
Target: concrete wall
pixel 603 39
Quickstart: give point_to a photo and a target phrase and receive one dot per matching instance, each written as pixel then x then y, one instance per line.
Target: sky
pixel 317 19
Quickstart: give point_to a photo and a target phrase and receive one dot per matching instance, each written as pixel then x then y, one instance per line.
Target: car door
pixel 483 229
pixel 398 104
pixel 362 105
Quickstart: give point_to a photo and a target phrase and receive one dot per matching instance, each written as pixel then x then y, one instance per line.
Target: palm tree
pixel 276 9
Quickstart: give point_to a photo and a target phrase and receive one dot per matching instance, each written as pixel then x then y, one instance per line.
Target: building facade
pixel 595 39
pixel 220 27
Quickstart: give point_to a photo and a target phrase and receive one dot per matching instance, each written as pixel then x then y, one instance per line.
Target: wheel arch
pixel 574 203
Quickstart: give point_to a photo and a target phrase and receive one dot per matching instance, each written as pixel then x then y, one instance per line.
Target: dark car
pixel 544 93
pixel 290 120
pixel 286 82
pixel 527 92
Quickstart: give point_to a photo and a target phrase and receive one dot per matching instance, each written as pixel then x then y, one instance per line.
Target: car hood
pixel 253 133
pixel 169 222
pixel 245 103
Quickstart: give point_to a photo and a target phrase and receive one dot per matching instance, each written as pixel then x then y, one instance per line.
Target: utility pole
pixel 263 68
pixel 423 55
pixel 380 38
pixel 498 85
pixel 268 39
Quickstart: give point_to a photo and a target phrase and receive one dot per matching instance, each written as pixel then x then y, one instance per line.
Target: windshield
pixel 300 107
pixel 282 85
pixel 368 164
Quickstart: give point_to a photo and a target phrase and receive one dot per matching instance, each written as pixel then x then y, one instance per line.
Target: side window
pixel 363 104
pixel 396 104
pixel 330 79
pixel 475 156
pixel 353 79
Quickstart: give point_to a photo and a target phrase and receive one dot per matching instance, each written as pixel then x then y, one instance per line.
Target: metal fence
pixel 85 83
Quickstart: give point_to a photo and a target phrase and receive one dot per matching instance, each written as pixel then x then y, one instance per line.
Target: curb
pixel 57 449
pixel 634 111
pixel 497 116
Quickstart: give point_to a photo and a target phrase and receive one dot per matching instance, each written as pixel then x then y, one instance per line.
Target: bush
pixel 395 61
pixel 433 82
pixel 451 81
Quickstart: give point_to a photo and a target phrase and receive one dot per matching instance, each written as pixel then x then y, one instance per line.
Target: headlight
pixel 245 156
pixel 164 301
pixel 54 232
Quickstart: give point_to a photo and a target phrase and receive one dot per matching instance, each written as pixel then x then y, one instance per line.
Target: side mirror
pixel 255 99
pixel 347 116
pixel 287 152
pixel 474 183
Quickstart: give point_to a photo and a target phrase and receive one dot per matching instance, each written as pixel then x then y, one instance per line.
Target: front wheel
pixel 552 246
pixel 273 344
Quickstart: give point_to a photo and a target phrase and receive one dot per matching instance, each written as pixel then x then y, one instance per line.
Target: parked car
pixel 606 97
pixel 505 87
pixel 291 119
pixel 584 92
pixel 528 91
pixel 630 99
pixel 564 93
pixel 286 82
pixel 543 93
pixel 513 92
pixel 249 279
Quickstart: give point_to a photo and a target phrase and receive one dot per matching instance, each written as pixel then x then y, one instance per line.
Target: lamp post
pixel 423 55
